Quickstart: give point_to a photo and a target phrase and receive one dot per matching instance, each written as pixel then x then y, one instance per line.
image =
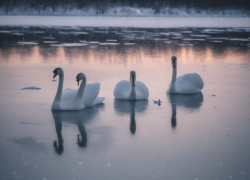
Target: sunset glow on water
pixel 201 136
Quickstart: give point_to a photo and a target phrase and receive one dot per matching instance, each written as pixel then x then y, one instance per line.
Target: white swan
pixel 133 90
pixel 73 99
pixel 190 83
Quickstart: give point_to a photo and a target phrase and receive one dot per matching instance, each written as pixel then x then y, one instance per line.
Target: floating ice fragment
pixel 70 44
pixel 4 31
pixel 175 34
pixel 238 39
pixel 187 32
pixel 29 123
pixel 185 44
pixel 199 35
pixel 78 33
pixel 50 42
pixel 111 44
pixel 102 32
pixel 27 43
pixel 193 39
pixel 111 40
pixel 37 32
pixel 166 34
pixel 213 30
pixel 128 44
pixel 48 38
pixel 217 41
pixel 18 34
pixel 164 39
pixel 94 42
pixel 31 88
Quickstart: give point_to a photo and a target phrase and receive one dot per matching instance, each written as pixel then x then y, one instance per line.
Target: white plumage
pixel 190 83
pixel 133 90
pixel 73 99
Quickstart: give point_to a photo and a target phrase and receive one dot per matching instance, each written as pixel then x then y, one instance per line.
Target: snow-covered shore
pixel 143 22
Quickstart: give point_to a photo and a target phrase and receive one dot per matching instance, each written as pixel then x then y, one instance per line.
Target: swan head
pixel 80 77
pixel 132 77
pixel 57 71
pixel 174 61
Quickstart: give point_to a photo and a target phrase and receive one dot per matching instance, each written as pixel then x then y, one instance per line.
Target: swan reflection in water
pixel 130 107
pixel 76 117
pixel 188 102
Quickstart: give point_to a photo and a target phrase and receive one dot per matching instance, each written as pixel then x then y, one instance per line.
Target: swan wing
pixel 122 90
pixel 189 83
pixel 90 94
pixel 141 90
pixel 68 95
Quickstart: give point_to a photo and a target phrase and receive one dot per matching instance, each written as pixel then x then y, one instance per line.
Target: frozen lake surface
pixel 197 137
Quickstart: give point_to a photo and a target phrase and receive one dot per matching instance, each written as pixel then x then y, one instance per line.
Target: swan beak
pixel 55 74
pixel 77 80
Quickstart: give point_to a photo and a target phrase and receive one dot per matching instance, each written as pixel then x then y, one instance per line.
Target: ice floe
pixel 27 43
pixel 50 42
pixel 31 88
pixel 129 44
pixel 70 44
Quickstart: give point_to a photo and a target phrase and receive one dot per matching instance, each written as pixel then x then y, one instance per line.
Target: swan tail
pixel 99 100
pixel 90 94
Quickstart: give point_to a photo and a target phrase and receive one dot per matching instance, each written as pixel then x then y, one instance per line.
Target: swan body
pixel 133 90
pixel 73 99
pixel 190 83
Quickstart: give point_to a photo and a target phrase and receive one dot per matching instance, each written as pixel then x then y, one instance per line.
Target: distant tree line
pixel 8 5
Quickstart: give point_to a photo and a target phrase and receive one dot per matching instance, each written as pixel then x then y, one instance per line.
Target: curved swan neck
pixel 174 74
pixel 81 89
pixel 58 96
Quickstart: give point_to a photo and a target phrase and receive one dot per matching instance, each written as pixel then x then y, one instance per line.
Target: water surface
pixel 202 136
